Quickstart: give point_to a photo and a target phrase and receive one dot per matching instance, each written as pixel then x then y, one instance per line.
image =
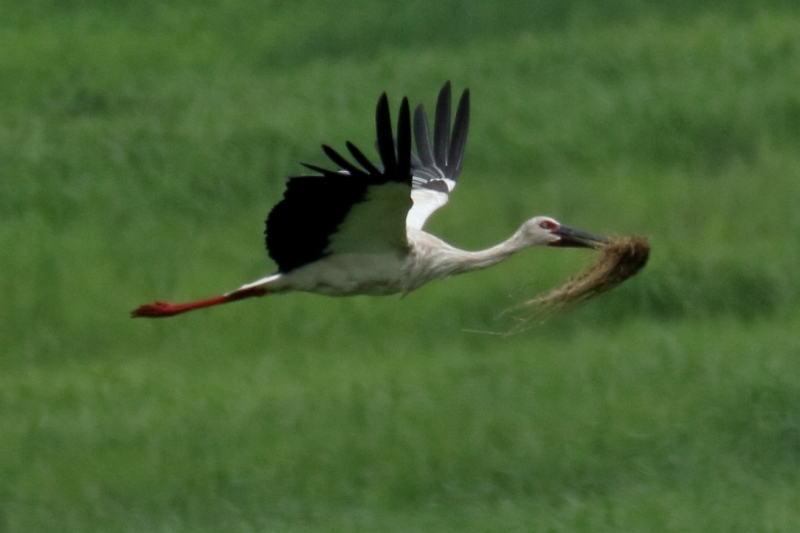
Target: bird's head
pixel 550 232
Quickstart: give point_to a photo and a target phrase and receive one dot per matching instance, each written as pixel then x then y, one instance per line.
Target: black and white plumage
pixel 359 229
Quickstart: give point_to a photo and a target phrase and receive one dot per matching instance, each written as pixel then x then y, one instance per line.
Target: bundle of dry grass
pixel 620 258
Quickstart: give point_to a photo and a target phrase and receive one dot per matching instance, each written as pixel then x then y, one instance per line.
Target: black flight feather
pixel 299 228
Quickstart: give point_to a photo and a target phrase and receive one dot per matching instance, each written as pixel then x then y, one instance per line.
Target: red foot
pixel 163 309
pixel 156 310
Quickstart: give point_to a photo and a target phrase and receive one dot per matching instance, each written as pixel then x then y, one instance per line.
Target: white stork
pixel 358 230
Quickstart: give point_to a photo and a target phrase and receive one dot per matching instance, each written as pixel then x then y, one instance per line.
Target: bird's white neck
pixel 440 259
pixel 474 260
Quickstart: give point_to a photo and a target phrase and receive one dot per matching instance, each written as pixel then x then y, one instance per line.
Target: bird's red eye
pixel 549 225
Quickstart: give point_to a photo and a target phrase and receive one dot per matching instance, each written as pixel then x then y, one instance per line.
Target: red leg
pixel 164 309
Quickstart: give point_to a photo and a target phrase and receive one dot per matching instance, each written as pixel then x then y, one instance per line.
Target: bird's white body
pixel 358 229
pixel 428 258
pixel 341 275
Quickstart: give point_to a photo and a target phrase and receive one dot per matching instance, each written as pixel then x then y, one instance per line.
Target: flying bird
pixel 358 229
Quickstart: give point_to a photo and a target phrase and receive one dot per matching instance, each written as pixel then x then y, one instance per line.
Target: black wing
pixel 359 209
pixel 438 164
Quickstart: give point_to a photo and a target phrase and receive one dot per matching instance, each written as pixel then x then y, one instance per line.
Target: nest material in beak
pixel 620 258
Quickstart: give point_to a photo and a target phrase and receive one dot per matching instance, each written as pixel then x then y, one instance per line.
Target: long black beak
pixel 575 238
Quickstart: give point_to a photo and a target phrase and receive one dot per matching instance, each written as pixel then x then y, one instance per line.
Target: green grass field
pixel 143 143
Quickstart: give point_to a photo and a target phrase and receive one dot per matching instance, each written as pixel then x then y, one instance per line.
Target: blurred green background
pixel 142 144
